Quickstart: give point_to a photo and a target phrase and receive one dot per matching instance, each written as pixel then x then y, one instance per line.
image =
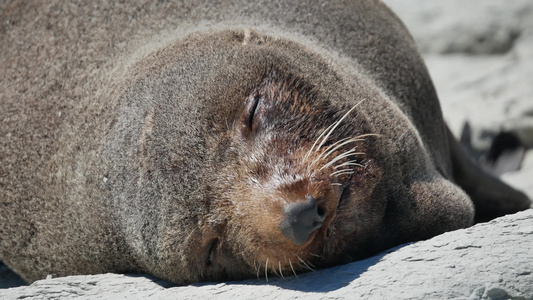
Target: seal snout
pixel 301 220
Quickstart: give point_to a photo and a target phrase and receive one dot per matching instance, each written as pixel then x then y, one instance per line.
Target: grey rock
pixel 480 56
pixel 492 260
pixel 522 179
pixel 468 27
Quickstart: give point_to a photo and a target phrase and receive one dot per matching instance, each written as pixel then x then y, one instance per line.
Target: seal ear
pixel 252 37
pixel 492 198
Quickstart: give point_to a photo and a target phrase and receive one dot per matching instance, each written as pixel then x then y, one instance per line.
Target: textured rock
pixel 488 261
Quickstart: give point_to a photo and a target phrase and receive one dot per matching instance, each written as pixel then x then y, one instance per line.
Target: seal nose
pixel 302 219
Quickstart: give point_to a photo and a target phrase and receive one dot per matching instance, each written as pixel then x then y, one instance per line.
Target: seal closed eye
pixel 252 116
pixel 223 141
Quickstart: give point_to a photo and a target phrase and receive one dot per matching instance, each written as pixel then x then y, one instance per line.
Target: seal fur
pixel 130 142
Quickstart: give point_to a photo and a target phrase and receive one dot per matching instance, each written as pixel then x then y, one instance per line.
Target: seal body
pixel 213 141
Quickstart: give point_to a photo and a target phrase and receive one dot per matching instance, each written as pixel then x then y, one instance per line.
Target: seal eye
pixel 249 119
pixel 210 253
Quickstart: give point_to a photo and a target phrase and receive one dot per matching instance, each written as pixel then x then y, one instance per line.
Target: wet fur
pixel 122 148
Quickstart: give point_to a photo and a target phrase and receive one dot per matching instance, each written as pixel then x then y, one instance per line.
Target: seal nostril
pixel 317 225
pixel 301 220
pixel 321 212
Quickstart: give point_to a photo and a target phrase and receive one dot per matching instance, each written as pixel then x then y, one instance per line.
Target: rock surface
pixel 480 56
pixel 487 261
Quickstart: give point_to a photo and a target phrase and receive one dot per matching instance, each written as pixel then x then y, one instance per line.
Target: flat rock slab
pixel 487 261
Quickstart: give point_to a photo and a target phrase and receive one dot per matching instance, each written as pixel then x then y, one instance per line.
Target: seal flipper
pixel 492 198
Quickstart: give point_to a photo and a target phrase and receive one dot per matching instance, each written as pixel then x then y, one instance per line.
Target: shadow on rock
pixel 319 281
pixel 8 278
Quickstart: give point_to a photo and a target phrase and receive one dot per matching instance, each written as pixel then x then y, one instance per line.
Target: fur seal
pixel 221 140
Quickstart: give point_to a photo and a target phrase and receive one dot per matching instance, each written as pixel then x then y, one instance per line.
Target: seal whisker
pixel 362 136
pixel 305 265
pixel 275 271
pixel 341 172
pixel 280 271
pixel 349 163
pixel 310 264
pixel 290 264
pixel 327 153
pixel 258 269
pixel 336 124
pixel 355 139
pixel 341 156
pixel 329 130
pixel 339 144
pixel 316 141
pixel 336 183
pixel 333 145
pixel 266 269
pixel 342 142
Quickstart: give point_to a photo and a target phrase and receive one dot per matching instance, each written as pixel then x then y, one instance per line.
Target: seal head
pixel 269 158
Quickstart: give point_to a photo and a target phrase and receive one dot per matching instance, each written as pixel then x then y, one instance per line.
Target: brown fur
pixel 125 145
